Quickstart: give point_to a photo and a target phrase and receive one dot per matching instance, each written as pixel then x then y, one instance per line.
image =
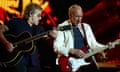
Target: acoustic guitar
pixel 23 44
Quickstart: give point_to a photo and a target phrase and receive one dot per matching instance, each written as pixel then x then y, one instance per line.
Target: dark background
pixel 102 15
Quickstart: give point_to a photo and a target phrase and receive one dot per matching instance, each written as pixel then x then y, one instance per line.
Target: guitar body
pixel 71 64
pixel 21 48
pixel 64 65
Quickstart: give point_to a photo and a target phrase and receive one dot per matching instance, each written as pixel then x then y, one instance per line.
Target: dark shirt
pixel 78 38
pixel 17 26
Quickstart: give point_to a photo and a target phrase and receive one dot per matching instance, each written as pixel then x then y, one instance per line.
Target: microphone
pixel 66 27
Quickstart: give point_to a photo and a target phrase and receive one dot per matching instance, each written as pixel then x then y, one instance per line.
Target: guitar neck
pixel 116 42
pixel 38 36
pixel 95 52
pixel 31 38
pixel 62 28
pixel 41 35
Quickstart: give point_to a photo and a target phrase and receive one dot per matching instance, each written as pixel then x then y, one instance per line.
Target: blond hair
pixel 30 9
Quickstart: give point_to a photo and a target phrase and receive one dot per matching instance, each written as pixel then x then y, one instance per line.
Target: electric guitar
pixel 23 44
pixel 71 64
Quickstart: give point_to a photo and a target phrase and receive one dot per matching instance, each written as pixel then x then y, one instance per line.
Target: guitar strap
pixel 85 38
pixel 84 32
pixel 93 57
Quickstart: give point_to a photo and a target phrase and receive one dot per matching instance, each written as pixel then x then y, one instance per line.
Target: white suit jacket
pixel 64 40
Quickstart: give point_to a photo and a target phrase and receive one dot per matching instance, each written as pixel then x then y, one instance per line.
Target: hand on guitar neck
pixel 110 45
